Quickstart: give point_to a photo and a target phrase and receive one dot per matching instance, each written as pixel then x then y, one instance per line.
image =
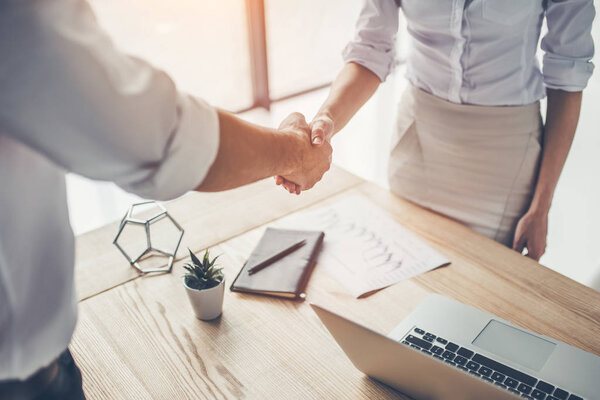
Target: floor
pixel 361 147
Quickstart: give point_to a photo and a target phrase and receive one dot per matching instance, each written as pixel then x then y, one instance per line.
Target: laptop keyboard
pixel 508 378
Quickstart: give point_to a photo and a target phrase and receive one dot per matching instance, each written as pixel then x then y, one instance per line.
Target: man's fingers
pixel 278 180
pixel 294 119
pixel 289 186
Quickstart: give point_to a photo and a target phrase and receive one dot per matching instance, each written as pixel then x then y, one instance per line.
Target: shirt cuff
pixel 566 74
pixel 192 151
pixel 377 61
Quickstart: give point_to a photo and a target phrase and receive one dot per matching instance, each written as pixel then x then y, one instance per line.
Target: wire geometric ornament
pixel 146 223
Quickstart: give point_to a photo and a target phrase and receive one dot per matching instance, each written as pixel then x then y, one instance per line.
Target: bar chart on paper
pixel 364 249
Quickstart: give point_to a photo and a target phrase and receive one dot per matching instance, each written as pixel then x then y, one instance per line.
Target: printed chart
pixel 364 249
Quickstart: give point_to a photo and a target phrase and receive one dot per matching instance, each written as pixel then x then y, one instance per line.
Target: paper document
pixel 364 248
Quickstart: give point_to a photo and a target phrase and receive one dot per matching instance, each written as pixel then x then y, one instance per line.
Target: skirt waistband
pixel 430 109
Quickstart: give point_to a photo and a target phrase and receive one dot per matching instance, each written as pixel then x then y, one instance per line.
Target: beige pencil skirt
pixel 475 164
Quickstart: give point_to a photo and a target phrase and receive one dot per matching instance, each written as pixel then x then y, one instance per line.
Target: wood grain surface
pixel 140 339
pixel 207 218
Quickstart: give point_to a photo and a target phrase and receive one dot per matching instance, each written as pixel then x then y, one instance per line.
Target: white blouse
pixel 480 51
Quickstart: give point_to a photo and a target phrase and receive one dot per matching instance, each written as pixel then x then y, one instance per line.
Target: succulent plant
pixel 202 274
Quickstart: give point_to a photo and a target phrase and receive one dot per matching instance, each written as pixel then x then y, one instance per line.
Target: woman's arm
pixel 351 89
pixel 369 58
pixel 568 50
pixel 562 116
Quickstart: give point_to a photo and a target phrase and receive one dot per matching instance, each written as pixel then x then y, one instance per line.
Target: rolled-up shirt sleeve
pixel 568 45
pixel 68 93
pixel 373 45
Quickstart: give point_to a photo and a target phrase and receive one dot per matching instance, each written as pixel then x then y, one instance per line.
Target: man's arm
pixel 561 121
pixel 69 94
pixel 249 152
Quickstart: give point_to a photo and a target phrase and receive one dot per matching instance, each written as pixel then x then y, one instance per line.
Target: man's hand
pixel 312 161
pixel 531 233
pixel 321 131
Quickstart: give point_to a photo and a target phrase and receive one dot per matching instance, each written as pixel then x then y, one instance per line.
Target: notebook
pixel 286 277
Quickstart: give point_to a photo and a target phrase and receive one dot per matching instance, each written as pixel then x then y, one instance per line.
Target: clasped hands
pixel 314 151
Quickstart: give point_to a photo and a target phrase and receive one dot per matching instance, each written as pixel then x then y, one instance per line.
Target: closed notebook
pixel 286 277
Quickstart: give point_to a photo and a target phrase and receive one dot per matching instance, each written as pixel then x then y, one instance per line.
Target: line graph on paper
pixel 375 253
pixel 364 249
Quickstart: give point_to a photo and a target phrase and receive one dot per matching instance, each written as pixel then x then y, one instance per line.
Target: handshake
pixel 312 155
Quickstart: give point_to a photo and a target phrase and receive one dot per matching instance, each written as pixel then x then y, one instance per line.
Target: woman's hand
pixel 531 233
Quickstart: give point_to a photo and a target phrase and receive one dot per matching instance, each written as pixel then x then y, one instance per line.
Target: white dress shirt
pixel 69 101
pixel 480 51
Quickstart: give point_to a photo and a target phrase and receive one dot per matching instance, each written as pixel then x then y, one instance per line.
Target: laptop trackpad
pixel 515 345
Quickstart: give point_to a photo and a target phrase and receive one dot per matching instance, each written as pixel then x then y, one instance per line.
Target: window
pixel 236 54
pixel 305 41
pixel 202 44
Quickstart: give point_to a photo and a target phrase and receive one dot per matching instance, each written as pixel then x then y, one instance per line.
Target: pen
pixel 276 257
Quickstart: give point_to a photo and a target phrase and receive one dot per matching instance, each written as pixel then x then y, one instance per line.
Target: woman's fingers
pixel 535 249
pixel 519 244
pixel 520 240
pixel 531 234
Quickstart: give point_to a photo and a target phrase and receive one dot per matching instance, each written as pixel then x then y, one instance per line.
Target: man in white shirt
pixel 71 102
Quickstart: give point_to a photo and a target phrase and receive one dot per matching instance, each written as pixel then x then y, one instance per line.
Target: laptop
pixel 448 350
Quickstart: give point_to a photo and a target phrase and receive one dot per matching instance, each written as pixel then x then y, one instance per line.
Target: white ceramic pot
pixel 207 303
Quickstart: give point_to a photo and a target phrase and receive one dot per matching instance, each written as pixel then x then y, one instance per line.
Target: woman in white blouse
pixel 470 142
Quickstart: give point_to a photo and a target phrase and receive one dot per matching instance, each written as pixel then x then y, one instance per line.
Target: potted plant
pixel 205 285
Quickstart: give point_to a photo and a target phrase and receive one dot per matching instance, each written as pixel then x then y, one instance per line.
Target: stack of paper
pixel 365 249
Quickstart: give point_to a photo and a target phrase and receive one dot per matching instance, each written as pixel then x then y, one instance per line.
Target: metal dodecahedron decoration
pixel 143 238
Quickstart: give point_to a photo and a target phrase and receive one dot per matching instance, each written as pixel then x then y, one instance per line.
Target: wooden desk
pixel 137 336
